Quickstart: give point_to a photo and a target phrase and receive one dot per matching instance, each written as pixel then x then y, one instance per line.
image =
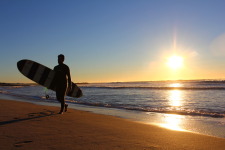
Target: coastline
pixel 197 124
pixel 32 126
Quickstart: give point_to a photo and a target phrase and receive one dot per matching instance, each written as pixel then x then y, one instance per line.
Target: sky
pixel 115 40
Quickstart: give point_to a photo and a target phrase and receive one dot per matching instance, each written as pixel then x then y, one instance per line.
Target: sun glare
pixel 173 122
pixel 175 62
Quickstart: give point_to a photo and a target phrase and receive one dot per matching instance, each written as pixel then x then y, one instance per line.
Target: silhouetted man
pixel 62 78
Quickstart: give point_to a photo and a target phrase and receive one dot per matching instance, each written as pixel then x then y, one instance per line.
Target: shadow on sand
pixel 30 116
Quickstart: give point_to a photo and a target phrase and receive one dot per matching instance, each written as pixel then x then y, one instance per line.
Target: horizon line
pixel 32 82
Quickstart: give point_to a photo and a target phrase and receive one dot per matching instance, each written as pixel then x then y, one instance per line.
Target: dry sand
pixel 29 126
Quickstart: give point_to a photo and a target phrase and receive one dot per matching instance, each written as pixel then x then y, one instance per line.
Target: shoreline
pixel 200 125
pixel 32 126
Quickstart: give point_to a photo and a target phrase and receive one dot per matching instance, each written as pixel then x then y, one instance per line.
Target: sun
pixel 175 62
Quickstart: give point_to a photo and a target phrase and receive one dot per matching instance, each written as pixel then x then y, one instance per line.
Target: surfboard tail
pixel 79 93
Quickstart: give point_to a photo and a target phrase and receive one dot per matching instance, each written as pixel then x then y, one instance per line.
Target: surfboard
pixel 44 76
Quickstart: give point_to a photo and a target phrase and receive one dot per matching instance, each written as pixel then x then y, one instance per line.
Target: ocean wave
pixel 156 110
pixel 151 85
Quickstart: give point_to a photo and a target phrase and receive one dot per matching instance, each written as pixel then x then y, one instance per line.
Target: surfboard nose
pixel 20 65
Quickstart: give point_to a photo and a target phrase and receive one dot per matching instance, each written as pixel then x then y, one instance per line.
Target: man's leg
pixel 62 105
pixel 66 105
pixel 62 99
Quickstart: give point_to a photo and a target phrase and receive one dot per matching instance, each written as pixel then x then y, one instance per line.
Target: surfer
pixel 63 82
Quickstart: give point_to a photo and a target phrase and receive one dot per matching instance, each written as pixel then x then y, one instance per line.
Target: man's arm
pixel 69 78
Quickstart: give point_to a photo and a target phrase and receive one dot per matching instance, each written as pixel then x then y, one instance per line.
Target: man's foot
pixel 66 105
pixel 61 112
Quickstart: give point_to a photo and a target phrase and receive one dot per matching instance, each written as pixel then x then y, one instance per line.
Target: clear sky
pixel 115 40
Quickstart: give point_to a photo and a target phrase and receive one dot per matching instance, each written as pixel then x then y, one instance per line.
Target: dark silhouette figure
pixel 63 82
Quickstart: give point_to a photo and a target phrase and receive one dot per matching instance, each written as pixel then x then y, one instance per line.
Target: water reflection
pixel 173 122
pixel 175 98
pixel 175 85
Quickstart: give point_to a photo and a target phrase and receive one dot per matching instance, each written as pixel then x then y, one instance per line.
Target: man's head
pixel 61 58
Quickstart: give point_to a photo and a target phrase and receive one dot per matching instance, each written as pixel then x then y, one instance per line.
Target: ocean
pixel 192 106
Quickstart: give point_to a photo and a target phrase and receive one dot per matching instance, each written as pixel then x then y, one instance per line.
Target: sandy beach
pixel 29 126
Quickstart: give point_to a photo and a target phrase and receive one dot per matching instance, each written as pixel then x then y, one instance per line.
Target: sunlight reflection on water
pixel 175 98
pixel 175 85
pixel 173 122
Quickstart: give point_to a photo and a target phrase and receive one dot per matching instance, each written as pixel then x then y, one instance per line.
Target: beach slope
pixel 29 126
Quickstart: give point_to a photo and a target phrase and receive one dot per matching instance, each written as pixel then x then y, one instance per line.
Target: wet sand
pixel 29 126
